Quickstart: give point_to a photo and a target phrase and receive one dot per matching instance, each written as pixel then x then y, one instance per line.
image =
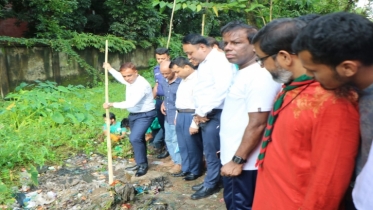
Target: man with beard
pixel 343 56
pixel 310 143
pixel 244 117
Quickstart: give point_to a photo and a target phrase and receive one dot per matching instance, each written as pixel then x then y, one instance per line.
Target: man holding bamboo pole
pixel 139 102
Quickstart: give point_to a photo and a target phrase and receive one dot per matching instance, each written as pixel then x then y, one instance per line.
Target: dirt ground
pixel 82 183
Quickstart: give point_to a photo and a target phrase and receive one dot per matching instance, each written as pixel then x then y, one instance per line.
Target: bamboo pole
pixel 270 10
pixel 172 17
pixel 108 140
pixel 203 24
pixel 203 20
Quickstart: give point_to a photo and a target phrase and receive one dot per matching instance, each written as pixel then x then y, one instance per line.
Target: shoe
pixel 181 174
pixel 175 169
pixel 142 170
pixel 132 168
pixel 168 164
pixel 197 187
pixel 163 155
pixel 204 192
pixel 191 177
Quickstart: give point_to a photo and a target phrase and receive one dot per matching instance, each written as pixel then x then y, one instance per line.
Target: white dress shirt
pixel 363 189
pixel 252 90
pixel 184 94
pixel 214 78
pixel 139 95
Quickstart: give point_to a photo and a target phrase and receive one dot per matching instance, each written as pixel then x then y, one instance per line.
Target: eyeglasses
pixel 261 60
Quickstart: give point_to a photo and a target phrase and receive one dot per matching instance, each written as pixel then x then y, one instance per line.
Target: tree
pixel 135 20
pixel 52 18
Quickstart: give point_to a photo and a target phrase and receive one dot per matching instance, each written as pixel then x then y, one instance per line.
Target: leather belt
pixel 159 97
pixel 186 110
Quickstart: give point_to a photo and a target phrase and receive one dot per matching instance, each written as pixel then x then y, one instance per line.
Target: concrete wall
pixel 21 64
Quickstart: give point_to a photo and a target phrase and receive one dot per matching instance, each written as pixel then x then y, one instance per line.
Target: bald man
pixel 170 85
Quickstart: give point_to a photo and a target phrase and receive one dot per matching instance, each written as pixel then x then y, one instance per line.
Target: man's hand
pixel 106 65
pixel 163 108
pixel 231 169
pixel 193 130
pixel 106 106
pixel 198 119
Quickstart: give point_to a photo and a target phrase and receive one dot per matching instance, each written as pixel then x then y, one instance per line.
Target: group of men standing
pixel 293 147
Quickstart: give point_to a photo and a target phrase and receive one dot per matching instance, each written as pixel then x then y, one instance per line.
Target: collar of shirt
pixel 191 76
pixel 210 55
pixel 177 80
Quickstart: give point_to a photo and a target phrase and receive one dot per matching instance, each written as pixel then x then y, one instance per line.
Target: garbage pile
pixel 81 183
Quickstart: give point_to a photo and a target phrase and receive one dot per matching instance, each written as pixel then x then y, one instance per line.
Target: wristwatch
pixel 238 160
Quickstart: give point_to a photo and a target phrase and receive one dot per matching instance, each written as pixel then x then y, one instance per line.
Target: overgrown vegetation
pixel 77 42
pixel 43 123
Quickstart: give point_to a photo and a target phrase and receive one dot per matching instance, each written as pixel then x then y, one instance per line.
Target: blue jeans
pixel 171 142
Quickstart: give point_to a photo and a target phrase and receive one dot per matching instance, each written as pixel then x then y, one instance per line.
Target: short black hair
pixel 181 62
pixel 161 51
pixel 212 41
pixel 308 18
pixel 111 115
pixel 125 123
pixel 238 25
pixel 194 39
pixel 334 38
pixel 278 35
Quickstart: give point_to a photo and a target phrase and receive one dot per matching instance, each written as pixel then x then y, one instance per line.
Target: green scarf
pixel 298 82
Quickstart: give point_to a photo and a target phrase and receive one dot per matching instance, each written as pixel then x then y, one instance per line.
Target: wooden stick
pixel 203 24
pixel 108 140
pixel 172 17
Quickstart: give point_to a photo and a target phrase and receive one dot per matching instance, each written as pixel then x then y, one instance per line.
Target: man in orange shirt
pixel 311 140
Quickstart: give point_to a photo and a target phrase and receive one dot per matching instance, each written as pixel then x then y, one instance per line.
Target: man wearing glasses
pixel 311 139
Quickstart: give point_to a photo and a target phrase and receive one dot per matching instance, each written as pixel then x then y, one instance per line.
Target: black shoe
pixel 181 174
pixel 197 187
pixel 204 192
pixel 163 155
pixel 132 168
pixel 191 177
pixel 142 170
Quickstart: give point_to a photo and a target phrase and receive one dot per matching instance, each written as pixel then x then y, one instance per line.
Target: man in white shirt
pixel 244 117
pixel 139 102
pixel 188 137
pixel 214 78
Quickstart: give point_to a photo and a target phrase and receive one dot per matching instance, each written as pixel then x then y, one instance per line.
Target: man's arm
pixel 335 140
pixel 132 101
pixel 222 74
pixel 155 88
pixel 250 140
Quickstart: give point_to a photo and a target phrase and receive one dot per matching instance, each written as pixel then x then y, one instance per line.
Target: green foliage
pixel 43 123
pixel 134 20
pixel 50 19
pixel 77 42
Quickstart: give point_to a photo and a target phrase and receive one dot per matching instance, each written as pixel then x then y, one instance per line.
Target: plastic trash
pixel 25 180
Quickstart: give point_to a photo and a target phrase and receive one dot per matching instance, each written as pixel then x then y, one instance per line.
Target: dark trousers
pixel 190 146
pixel 160 136
pixel 211 144
pixel 139 123
pixel 239 191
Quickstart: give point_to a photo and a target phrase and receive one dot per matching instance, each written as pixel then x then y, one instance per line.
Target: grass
pixel 44 124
